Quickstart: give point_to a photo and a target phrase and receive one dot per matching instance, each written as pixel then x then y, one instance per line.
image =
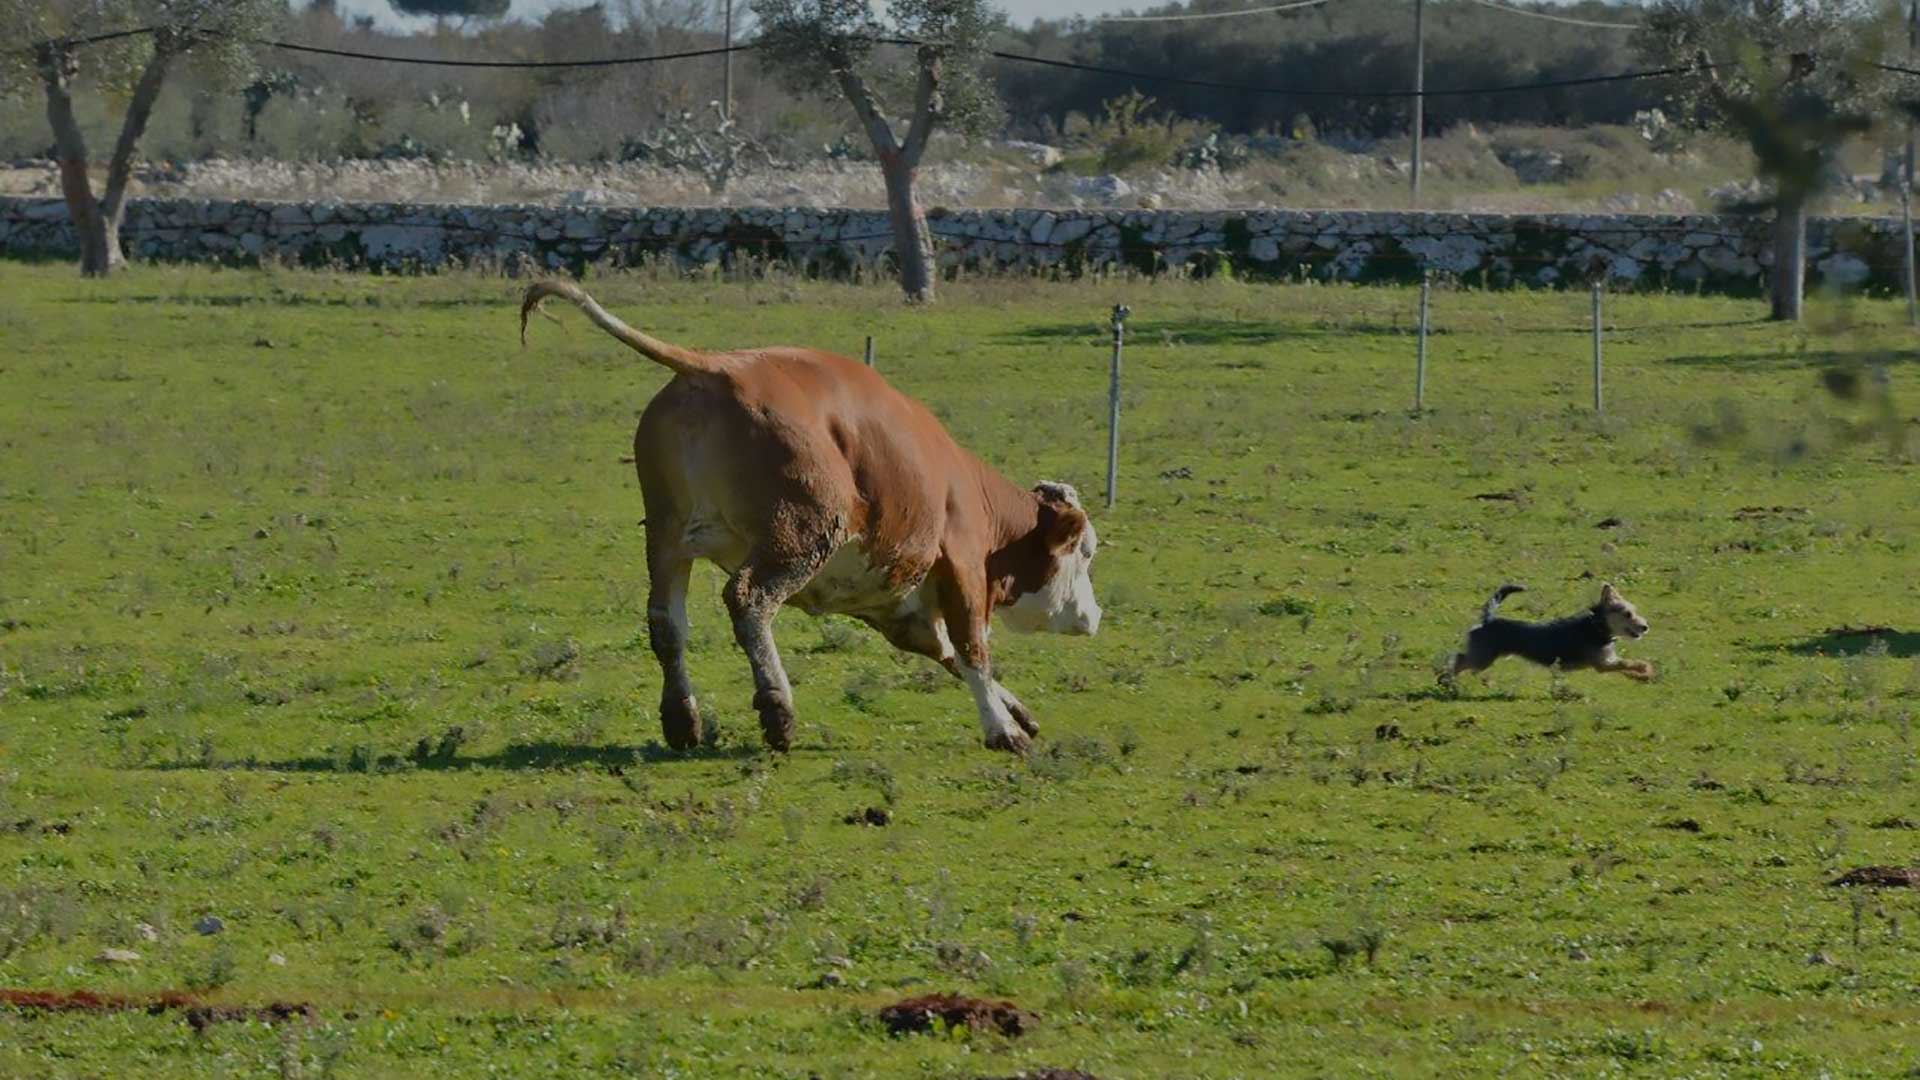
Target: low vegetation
pixel 323 682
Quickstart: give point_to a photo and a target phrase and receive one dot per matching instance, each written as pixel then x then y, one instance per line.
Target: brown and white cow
pixel 813 482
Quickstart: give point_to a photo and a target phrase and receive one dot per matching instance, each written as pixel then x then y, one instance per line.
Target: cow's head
pixel 1053 582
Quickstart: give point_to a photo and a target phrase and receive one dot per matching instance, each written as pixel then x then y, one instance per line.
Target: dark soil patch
pixel 917 1014
pixel 199 1014
pixel 1885 877
pixel 1501 496
pixel 1895 822
pixel 50 828
pixel 1682 825
pixel 1749 512
pixel 202 1016
pixel 1860 631
pixel 878 817
pixel 1047 1074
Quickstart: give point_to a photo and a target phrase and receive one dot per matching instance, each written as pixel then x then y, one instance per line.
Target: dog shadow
pixel 1851 641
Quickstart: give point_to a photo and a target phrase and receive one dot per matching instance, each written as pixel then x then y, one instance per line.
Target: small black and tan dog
pixel 1577 641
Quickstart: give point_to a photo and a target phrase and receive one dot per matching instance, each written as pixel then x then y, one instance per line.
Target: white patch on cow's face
pixel 1064 604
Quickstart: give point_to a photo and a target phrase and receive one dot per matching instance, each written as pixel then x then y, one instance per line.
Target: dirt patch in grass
pixel 198 1013
pixel 918 1014
pixel 1885 877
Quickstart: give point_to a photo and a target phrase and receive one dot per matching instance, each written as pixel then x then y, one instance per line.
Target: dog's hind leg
pixel 1468 660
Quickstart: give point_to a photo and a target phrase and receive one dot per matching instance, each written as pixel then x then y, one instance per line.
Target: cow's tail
pixel 1492 607
pixel 683 361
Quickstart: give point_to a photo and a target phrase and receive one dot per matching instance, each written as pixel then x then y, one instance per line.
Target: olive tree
pixel 65 41
pixel 835 46
pixel 1750 72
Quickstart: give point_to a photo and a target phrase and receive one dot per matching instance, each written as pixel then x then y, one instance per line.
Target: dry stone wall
pixel 1692 252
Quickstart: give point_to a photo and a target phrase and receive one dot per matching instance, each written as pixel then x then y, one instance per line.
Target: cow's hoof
pixel 1015 742
pixel 1022 717
pixel 680 723
pixel 776 719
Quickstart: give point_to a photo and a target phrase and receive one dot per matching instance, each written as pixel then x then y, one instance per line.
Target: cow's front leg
pixel 963 610
pixel 928 637
pixel 1020 713
pixel 754 595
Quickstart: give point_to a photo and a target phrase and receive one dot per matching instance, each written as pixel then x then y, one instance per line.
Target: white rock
pixel 1107 188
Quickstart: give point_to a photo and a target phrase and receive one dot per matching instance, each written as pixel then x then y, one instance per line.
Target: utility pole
pixel 726 60
pixel 1420 88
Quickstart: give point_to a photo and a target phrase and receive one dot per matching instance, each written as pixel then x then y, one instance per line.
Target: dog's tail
pixel 1492 607
pixel 681 361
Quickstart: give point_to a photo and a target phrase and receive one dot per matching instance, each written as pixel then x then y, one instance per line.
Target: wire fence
pixel 1007 56
pixel 1108 244
pixel 1581 251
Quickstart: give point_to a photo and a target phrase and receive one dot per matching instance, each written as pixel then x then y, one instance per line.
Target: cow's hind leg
pixel 754 595
pixel 667 571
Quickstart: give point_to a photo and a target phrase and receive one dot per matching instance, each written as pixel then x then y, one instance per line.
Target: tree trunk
pixel 912 240
pixel 1789 258
pixel 113 205
pixel 56 74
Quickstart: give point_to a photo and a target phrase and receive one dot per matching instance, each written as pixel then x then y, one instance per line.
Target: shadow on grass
pixel 1787 361
pixel 1648 328
pixel 288 300
pixel 1205 332
pixel 1848 641
pixel 1442 693
pixel 520 757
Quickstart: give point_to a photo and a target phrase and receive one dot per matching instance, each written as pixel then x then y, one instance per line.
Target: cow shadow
pixel 539 756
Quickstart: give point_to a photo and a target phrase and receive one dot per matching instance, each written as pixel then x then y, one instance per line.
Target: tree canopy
pixel 453 9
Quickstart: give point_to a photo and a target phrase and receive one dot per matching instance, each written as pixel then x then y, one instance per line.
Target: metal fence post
pixel 869 350
pixel 1120 313
pixel 1597 287
pixel 1420 354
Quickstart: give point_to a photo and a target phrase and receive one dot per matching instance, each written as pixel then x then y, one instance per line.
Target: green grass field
pixel 322 609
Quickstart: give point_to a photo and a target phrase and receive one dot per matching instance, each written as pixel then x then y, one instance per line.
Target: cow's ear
pixel 1064 534
pixel 1053 491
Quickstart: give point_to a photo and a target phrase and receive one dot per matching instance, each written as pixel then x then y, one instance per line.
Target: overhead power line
pixel 1302 91
pixel 611 61
pixel 1199 15
pixel 1557 18
pixel 427 61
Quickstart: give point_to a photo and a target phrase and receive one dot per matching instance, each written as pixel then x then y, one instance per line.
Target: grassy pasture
pixel 321 613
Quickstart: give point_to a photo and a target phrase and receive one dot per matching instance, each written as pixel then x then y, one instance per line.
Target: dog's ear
pixel 1609 595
